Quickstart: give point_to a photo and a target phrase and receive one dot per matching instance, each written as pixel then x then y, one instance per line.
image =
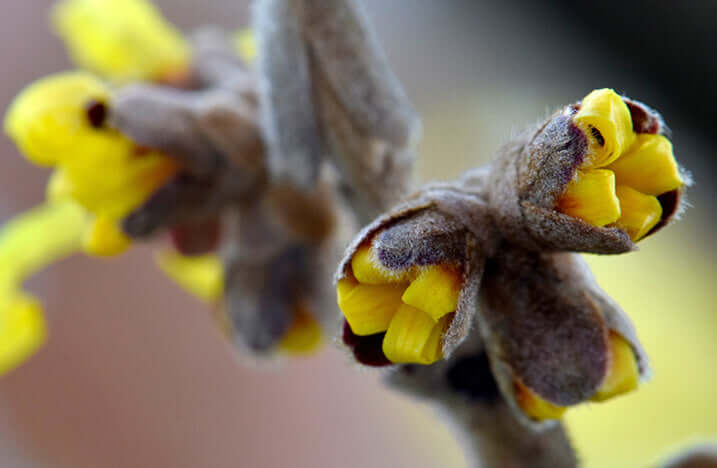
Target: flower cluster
pixel 126 166
pixel 61 122
pixel 493 250
pixel 99 175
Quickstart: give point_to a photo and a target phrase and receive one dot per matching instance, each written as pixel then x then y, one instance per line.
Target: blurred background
pixel 135 375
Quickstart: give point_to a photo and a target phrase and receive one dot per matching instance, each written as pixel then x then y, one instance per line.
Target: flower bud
pixel 403 289
pixel 596 177
pixel 553 337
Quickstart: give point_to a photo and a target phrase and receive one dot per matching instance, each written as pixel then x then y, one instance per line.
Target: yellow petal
pixel 125 40
pixel 38 237
pixel 367 269
pixel 245 45
pixel 368 308
pixel 433 351
pixel 535 406
pixel 591 197
pixel 22 330
pixel 435 291
pixel 304 336
pixel 47 120
pixel 28 243
pixel 115 186
pixel 640 212
pixel 59 186
pixel 606 120
pixel 623 375
pixel 104 238
pixel 408 335
pixel 649 166
pixel 202 276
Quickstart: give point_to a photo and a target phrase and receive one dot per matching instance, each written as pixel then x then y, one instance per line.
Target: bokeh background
pixel 134 374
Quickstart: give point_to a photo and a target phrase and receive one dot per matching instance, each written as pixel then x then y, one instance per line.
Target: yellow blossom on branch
pixel 59 121
pixel 412 308
pixel 203 276
pixel 624 172
pixel 123 40
pixel 28 244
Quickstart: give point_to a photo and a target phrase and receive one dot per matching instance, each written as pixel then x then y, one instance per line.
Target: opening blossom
pixel 102 174
pixel 492 248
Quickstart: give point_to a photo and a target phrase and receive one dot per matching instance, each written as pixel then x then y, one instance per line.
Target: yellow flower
pixel 245 45
pixel 304 335
pixel 622 376
pixel 623 173
pixel 22 329
pixel 59 121
pixel 123 40
pixel 202 276
pixel 413 308
pixel 28 243
pixel 536 407
pixel 48 120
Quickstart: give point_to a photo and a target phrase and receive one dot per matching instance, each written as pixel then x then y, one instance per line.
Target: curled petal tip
pixel 606 121
pixel 304 336
pixel 22 330
pixel 623 373
pixel 412 337
pixel 435 290
pixel 202 275
pixel 536 407
pixel 104 238
pixel 368 308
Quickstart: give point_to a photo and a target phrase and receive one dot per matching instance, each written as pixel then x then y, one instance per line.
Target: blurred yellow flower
pixel 59 121
pixel 123 40
pixel 203 276
pixel 304 335
pixel 28 243
pixel 245 45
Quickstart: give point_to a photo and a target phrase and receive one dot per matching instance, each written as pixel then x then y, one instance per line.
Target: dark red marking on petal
pixel 644 119
pixel 96 113
pixel 670 203
pixel 597 135
pixel 368 350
